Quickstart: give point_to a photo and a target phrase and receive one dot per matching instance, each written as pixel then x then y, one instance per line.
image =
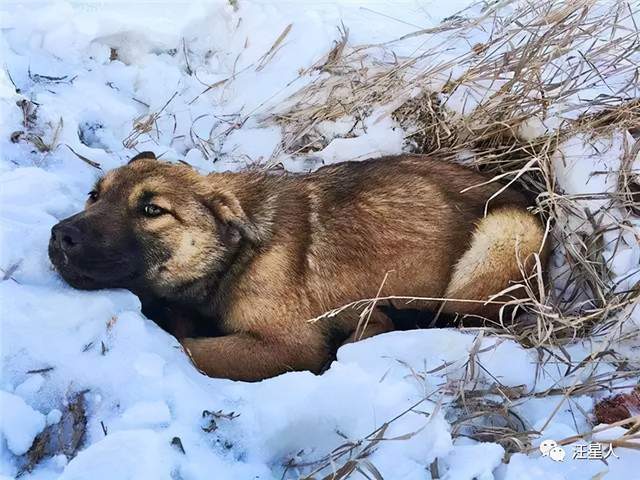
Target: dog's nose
pixel 66 236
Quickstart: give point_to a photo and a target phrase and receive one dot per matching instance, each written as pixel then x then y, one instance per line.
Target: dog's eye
pixel 151 210
pixel 93 195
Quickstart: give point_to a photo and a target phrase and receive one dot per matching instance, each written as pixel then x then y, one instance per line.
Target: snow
pixel 20 423
pixel 479 461
pixel 131 454
pixel 146 414
pixel 141 391
pixel 380 137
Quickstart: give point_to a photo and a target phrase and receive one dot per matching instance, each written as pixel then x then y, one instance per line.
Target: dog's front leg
pixel 243 356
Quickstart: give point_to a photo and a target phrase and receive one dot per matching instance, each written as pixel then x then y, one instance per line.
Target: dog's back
pixel 419 225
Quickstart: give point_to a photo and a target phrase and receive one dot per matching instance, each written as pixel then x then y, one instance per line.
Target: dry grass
pixel 352 455
pixel 572 66
pixel 145 124
pixel 31 133
pixel 63 438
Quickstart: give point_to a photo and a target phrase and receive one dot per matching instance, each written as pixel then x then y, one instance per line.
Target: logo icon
pixel 551 449
pixel 546 446
pixel 557 454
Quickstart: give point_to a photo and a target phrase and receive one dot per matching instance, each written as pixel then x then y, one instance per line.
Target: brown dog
pixel 235 264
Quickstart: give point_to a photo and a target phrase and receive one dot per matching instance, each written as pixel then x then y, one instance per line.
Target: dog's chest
pixel 181 321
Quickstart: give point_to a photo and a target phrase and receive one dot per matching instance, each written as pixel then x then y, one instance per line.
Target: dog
pixel 235 265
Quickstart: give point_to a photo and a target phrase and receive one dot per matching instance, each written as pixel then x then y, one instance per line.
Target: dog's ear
pixel 227 209
pixel 144 155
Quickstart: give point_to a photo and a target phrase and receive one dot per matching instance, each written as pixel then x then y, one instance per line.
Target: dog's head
pixel 149 226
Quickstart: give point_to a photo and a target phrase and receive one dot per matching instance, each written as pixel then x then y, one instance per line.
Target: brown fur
pixel 254 256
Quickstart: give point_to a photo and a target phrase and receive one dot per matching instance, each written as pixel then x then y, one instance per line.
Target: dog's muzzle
pixel 66 242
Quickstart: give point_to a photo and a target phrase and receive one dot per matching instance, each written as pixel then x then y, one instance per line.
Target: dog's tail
pixel 501 254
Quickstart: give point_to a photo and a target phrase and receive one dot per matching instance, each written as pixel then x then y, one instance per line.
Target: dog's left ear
pixel 143 155
pixel 227 209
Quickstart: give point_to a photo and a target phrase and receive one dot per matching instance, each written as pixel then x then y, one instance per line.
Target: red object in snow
pixel 619 407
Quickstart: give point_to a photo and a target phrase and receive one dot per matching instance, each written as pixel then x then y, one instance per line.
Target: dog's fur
pixel 235 264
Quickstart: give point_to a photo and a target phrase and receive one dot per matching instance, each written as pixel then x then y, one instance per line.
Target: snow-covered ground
pixel 86 72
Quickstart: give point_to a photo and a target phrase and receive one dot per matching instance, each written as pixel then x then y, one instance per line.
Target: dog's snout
pixel 66 236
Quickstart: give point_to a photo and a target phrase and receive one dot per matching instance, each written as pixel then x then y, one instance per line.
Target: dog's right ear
pixel 227 209
pixel 143 155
